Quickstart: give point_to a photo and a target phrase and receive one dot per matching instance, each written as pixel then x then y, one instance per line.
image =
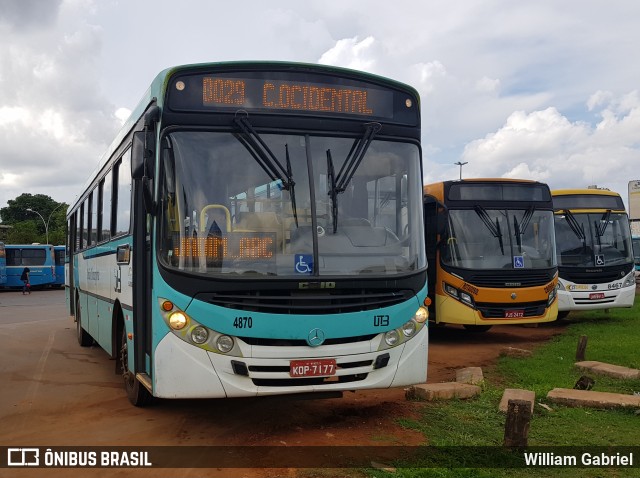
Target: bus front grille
pixel 258 341
pixel 313 302
pixel 590 278
pixel 511 280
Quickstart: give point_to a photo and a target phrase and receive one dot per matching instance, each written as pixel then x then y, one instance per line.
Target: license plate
pixel 312 368
pixel 513 314
pixel 596 295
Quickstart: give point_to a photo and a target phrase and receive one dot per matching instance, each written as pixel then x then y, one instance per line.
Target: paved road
pixel 37 306
pixel 55 393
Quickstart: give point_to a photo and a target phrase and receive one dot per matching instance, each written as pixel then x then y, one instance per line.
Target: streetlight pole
pixel 461 164
pixel 46 223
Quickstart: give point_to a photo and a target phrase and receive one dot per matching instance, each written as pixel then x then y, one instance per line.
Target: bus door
pixel 69 262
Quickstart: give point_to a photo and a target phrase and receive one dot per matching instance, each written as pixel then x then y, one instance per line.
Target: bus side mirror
pixel 141 154
pixel 142 165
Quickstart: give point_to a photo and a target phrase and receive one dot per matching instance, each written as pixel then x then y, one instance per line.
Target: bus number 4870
pixel 243 322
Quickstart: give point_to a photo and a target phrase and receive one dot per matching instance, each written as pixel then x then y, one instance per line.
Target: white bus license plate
pixel 513 314
pixel 596 295
pixel 312 368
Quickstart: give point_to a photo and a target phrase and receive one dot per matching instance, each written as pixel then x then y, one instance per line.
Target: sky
pixel 542 89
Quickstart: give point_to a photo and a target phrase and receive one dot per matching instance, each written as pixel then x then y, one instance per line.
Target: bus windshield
pixel 225 210
pixel 482 238
pixel 593 239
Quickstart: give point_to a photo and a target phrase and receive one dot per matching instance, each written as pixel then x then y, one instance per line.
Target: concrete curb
pixel 589 398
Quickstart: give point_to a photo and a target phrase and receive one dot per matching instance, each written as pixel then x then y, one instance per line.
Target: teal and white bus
pixel 256 229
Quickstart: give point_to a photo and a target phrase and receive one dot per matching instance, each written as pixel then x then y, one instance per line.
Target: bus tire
pixel 84 338
pixel 476 328
pixel 137 394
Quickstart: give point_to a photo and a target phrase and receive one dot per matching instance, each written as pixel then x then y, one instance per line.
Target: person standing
pixel 25 281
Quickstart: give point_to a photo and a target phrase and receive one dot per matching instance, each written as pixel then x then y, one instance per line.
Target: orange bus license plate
pixel 513 314
pixel 312 368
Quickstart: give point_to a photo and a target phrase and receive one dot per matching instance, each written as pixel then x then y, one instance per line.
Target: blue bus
pixel 59 260
pixel 256 229
pixel 3 265
pixel 39 258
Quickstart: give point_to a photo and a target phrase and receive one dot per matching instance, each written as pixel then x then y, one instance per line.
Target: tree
pixel 24 232
pixel 53 214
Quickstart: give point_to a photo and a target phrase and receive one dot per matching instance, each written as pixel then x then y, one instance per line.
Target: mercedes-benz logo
pixel 514 296
pixel 315 337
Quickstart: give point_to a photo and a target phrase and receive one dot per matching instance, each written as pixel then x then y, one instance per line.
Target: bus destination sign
pixel 260 93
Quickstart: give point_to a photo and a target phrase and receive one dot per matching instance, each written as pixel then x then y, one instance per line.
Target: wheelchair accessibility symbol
pixel 599 259
pixel 518 262
pixel 304 263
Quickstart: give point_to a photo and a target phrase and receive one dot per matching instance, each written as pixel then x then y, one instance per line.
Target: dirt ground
pixel 73 398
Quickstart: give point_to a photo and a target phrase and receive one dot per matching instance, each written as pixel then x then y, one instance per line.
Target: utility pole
pixel 46 223
pixel 461 164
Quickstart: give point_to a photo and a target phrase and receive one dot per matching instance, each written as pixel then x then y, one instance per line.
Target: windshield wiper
pixel 268 161
pixel 577 228
pixel 522 227
pixel 333 193
pixel 494 229
pixel 356 154
pixel 604 223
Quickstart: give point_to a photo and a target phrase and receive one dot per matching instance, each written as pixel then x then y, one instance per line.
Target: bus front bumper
pixel 593 300
pixel 182 370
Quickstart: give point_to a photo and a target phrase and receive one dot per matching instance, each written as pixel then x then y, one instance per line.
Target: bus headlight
pixel 409 328
pixel 392 337
pixel 630 280
pixel 459 295
pixel 560 285
pixel 224 343
pixel 199 334
pixel 552 296
pixel 466 298
pixel 449 289
pixel 189 330
pixel 178 320
pixel 421 315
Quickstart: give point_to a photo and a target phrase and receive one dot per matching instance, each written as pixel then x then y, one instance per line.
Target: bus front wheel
pixel 136 392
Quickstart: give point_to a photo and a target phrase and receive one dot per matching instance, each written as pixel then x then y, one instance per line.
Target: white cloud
pixel 546 146
pixel 123 114
pixel 352 53
pixel 487 85
pixel 543 89
pixel 54 120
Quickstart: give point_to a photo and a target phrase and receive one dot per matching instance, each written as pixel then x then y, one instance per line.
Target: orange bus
pixel 491 252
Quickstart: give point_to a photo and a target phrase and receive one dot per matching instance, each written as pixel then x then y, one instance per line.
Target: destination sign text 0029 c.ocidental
pixel 295 96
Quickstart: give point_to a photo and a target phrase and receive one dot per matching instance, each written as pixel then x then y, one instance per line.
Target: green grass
pixel 613 337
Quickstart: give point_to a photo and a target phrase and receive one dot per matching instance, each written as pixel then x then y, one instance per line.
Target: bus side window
pixel 93 221
pixel 85 224
pixel 122 206
pixel 104 222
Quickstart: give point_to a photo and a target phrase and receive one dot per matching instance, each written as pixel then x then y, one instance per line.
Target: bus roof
pixel 587 200
pixel 585 191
